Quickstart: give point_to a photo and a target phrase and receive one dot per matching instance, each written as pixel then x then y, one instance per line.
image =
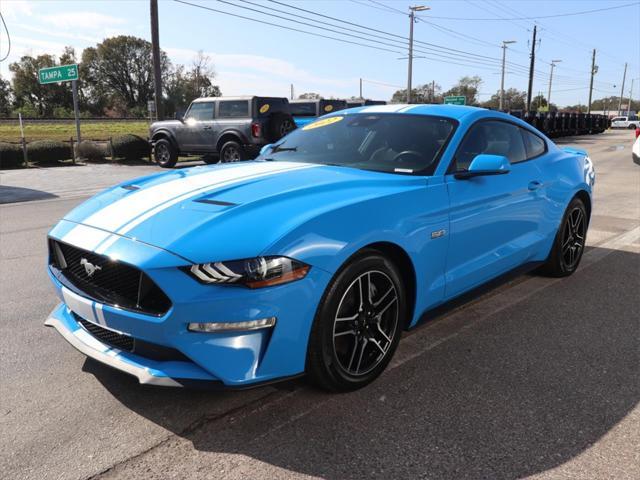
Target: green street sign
pixel 63 73
pixel 456 100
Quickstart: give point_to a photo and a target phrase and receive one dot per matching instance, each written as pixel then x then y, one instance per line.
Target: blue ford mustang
pixel 314 258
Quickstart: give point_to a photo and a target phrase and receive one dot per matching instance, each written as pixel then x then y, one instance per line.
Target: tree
pixel 309 96
pixel 514 99
pixel 427 93
pixel 118 73
pixel 467 87
pixel 611 104
pixel 182 87
pixel 6 97
pixel 29 95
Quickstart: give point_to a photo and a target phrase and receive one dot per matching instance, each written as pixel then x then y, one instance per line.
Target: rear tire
pixel 165 154
pixel 632 126
pixel 355 335
pixel 278 125
pixel 569 243
pixel 232 152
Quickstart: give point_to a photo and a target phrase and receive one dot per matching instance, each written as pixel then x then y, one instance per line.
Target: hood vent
pixel 215 202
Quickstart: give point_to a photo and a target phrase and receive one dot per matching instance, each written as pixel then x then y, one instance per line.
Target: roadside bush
pixel 10 155
pixel 130 147
pixel 47 151
pixel 92 151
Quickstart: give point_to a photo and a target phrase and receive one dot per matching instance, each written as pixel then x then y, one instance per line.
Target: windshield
pixel 394 143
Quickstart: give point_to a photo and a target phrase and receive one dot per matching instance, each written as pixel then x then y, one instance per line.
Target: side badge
pixel 438 233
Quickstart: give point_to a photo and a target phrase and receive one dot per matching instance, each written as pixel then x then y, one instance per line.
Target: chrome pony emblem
pixel 89 267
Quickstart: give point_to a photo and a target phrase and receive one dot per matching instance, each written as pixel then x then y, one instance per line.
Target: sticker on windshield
pixel 322 123
pixel 328 108
pixel 264 108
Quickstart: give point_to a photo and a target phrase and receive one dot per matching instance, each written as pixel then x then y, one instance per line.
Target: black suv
pixel 226 129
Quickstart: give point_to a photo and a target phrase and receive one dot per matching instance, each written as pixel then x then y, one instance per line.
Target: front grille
pixel 118 340
pixel 105 280
pixel 130 344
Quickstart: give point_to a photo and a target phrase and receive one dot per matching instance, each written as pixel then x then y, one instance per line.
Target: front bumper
pixel 234 359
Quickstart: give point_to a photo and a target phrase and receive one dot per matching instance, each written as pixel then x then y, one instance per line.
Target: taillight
pixel 637 132
pixel 256 129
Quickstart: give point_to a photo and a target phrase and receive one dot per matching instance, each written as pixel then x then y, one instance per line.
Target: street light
pixel 553 64
pixel 504 55
pixel 412 11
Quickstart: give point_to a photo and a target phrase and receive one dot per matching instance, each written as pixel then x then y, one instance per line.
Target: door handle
pixel 206 128
pixel 534 185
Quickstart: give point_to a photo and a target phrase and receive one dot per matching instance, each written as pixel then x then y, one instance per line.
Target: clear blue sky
pixel 252 57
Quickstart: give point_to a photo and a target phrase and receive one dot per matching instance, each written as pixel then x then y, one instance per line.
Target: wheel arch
pixel 164 134
pixel 584 196
pixel 401 259
pixel 229 136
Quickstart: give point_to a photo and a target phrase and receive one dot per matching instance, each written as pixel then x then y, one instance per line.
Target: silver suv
pixel 225 129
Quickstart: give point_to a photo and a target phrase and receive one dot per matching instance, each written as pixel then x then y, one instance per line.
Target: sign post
pixel 455 100
pixel 64 73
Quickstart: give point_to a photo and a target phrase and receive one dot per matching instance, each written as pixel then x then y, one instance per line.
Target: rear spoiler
pixel 575 151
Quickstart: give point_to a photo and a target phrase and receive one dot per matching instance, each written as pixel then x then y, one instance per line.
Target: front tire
pixel 358 324
pixel 569 243
pixel 165 153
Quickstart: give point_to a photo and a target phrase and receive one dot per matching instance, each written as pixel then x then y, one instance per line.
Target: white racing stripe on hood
pixel 102 247
pixel 118 214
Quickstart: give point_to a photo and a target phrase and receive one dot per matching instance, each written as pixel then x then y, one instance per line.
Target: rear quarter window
pixel 303 109
pixel 233 109
pixel 534 145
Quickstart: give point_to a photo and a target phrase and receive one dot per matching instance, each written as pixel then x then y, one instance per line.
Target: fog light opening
pixel 218 327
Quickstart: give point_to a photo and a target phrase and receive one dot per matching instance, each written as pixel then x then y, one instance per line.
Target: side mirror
pixel 266 149
pixel 485 164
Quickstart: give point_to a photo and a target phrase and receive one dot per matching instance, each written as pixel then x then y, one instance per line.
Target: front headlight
pixel 252 272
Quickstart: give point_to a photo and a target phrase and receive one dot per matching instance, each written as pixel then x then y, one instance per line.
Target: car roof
pixel 451 111
pixel 239 97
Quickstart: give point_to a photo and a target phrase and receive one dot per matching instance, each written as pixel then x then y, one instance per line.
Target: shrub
pixel 47 151
pixel 10 155
pixel 130 147
pixel 91 150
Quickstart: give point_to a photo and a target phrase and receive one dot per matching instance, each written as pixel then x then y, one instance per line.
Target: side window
pixel 200 111
pixel 491 137
pixel 534 144
pixel 233 109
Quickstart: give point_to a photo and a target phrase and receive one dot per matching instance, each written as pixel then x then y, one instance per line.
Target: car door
pixel 619 122
pixel 494 219
pixel 197 133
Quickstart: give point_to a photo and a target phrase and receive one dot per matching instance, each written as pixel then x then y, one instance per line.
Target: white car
pixel 635 151
pixel 625 122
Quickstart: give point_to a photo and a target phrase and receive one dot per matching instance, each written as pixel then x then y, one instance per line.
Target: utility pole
pixel 433 91
pixel 292 91
pixel 553 64
pixel 412 11
pixel 504 56
pixel 531 67
pixel 360 88
pixel 594 70
pixel 155 46
pixel 630 93
pixel 624 77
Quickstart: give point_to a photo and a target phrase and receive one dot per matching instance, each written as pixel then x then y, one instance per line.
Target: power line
pixel 8 39
pixel 568 14
pixel 262 22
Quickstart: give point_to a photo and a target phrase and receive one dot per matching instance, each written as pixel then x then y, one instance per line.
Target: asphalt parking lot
pixel 537 378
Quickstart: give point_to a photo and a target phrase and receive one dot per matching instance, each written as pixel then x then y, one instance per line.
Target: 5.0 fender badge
pixel 438 233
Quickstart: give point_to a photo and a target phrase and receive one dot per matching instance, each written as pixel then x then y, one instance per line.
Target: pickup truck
pixel 625 122
pixel 225 129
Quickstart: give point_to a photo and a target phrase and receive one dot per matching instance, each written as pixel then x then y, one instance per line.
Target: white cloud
pixel 16 9
pixel 82 20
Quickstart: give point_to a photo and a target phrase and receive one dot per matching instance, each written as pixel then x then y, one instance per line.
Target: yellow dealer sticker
pixel 322 123
pixel 328 108
pixel 264 108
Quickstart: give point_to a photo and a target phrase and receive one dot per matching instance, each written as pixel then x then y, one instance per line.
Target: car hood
pixel 230 211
